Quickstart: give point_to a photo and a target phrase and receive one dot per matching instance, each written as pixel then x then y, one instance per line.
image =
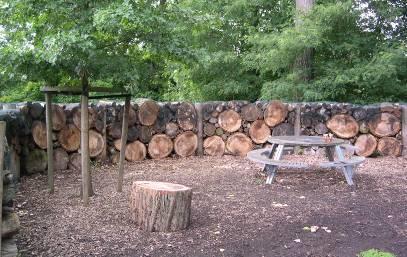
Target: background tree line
pixel 207 50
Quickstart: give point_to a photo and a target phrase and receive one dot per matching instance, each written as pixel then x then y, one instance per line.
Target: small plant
pixel 375 253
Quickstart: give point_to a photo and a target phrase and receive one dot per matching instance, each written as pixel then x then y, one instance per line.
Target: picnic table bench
pixel 271 157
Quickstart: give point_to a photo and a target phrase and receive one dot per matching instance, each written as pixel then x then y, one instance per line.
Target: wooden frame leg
pixel 50 149
pixel 347 170
pixel 271 169
pixel 272 152
pixel 123 142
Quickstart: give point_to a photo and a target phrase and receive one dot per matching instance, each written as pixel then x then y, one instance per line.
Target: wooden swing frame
pixel 85 159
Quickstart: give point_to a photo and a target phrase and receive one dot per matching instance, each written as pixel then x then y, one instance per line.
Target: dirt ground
pixel 233 212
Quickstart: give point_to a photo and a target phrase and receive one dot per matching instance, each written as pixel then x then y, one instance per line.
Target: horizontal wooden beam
pixel 78 90
pixel 109 96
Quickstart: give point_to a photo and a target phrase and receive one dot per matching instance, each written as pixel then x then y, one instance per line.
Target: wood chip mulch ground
pixel 233 212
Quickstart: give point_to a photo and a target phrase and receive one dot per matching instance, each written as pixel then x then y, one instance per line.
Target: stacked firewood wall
pixel 237 127
pixel 374 130
pixel 160 130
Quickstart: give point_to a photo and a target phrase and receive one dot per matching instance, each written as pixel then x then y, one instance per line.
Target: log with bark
pixel 250 112
pixel 165 115
pixel 283 129
pixel 75 161
pixel 186 143
pixel 145 134
pixel 76 116
pixel 214 146
pixel 239 144
pixel 58 117
pixel 384 125
pixel 39 133
pixel 365 145
pixel 259 132
pixel 135 151
pixel 96 143
pixel 275 113
pixel 61 159
pixel 171 129
pixel 148 112
pixel 389 146
pixel 159 206
pixel 343 125
pixel 114 130
pixel 186 116
pixel 230 120
pixel 36 161
pixel 209 129
pixel 70 138
pixel 36 110
pixel 160 146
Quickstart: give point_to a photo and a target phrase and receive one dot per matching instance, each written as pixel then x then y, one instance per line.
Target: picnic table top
pixel 304 141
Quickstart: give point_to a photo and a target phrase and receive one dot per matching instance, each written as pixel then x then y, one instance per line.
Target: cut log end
pixel 186 116
pixel 160 146
pixel 384 125
pixel 135 151
pixel 39 133
pixel 148 112
pixel 365 145
pixel 343 125
pixel 186 144
pixel 239 144
pixel 69 138
pixel 259 132
pixel 230 121
pixel 275 113
pixel 389 146
pixel 214 146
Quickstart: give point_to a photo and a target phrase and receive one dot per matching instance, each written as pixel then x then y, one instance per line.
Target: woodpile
pixel 158 130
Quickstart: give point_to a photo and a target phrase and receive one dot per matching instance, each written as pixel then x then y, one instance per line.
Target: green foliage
pixel 206 50
pixel 375 253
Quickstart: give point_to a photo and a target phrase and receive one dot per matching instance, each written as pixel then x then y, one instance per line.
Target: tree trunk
pixel 365 145
pixel 70 138
pixel 239 144
pixel 214 146
pixel 160 146
pixel 186 144
pixel 230 120
pixel 303 63
pixel 159 206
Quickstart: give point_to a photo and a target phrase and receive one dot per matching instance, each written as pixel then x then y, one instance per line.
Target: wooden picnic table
pixel 271 157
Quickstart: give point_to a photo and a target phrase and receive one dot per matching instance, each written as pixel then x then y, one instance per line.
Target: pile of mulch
pixel 233 212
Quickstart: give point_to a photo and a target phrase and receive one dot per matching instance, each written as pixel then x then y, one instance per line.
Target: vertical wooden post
pixel 123 142
pixel 85 141
pixel 297 124
pixel 404 129
pixel 104 153
pixel 199 124
pixel 50 149
pixel 2 143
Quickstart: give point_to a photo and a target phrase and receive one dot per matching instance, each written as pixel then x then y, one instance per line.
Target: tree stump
pixel 230 121
pixel 259 132
pixel 214 146
pixel 159 206
pixel 160 146
pixel 343 125
pixel 365 145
